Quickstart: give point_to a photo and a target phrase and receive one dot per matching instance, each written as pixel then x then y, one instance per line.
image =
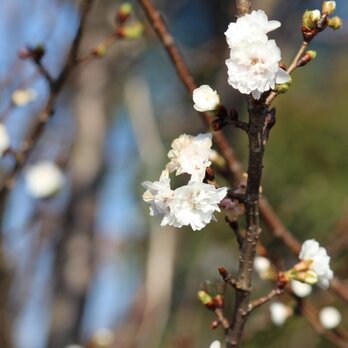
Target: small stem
pixel 262 300
pixel 221 318
pixel 290 69
pixel 235 227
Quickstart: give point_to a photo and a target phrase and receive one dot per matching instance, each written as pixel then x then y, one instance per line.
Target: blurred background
pixel 88 266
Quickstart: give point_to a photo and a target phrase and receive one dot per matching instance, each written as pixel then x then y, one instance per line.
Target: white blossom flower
pixel 194 205
pixel 205 99
pixel 300 289
pixel 21 97
pixel 44 179
pixel 318 262
pixel 190 154
pixel 250 28
pixel 4 139
pixel 262 266
pixel 279 313
pixel 330 317
pixel 215 344
pixel 158 194
pixel 253 66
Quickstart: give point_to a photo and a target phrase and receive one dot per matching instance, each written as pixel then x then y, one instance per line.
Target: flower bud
pixel 218 301
pixel 283 87
pixel 310 19
pixel 124 12
pixel 100 51
pixel 205 99
pixel 205 298
pixel 329 7
pixel 131 31
pixel 38 52
pixel 335 23
pixel 306 58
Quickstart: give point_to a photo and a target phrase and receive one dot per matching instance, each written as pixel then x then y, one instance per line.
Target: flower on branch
pixel 194 205
pixel 44 179
pixel 190 154
pixel 253 66
pixel 158 194
pixel 205 99
pixel 314 266
pixel 4 139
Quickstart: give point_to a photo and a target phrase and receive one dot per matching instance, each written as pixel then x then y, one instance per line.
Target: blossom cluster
pixel 192 204
pixel 253 66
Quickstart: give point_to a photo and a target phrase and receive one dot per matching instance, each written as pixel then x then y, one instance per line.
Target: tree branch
pixel 243 7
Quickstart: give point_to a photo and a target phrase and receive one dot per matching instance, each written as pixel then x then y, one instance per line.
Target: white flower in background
pixel 190 154
pixel 318 262
pixel 4 139
pixel 330 317
pixel 103 338
pixel 21 97
pixel 158 194
pixel 205 99
pixel 262 266
pixel 253 66
pixel 215 344
pixel 194 205
pixel 279 313
pixel 250 28
pixel 329 7
pixel 300 289
pixel 44 179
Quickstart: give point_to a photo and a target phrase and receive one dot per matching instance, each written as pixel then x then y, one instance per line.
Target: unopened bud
pixel 306 58
pixel 282 88
pixel 38 52
pixel 205 298
pixel 218 124
pixel 335 22
pixel 329 7
pixel 124 12
pixel 132 31
pixel 215 324
pixel 310 19
pixel 24 53
pixel 223 272
pixel 219 301
pixel 100 51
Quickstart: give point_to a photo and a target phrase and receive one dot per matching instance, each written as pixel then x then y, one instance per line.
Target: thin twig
pixel 262 300
pixel 290 69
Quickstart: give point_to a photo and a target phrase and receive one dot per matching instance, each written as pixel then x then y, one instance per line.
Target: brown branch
pixel 243 7
pixel 262 300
